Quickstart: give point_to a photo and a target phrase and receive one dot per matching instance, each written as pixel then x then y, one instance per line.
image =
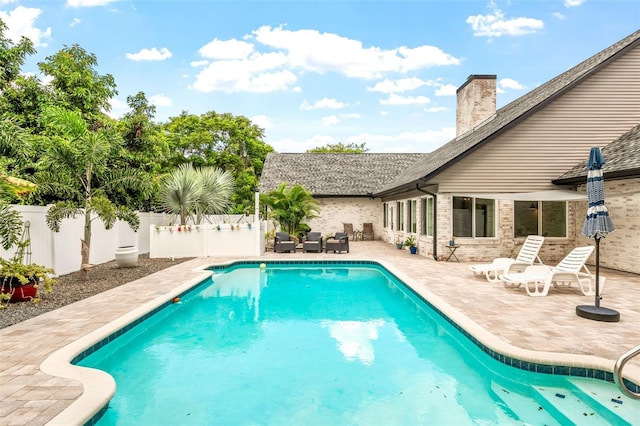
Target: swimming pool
pixel 321 344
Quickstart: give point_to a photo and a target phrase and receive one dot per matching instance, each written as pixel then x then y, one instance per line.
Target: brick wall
pixel 334 212
pixel 620 249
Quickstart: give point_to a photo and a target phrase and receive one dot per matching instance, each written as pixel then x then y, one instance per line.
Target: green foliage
pixel 410 241
pixel 76 170
pixel 341 147
pixel 12 56
pixel 191 193
pixel 77 85
pixel 225 141
pixel 10 226
pixel 290 207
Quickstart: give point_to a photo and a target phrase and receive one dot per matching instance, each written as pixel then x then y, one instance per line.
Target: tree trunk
pixel 86 247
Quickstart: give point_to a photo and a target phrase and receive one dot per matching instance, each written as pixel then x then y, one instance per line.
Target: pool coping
pixel 99 387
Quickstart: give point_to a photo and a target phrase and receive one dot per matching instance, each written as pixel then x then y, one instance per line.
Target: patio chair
pixel 348 229
pixel 313 242
pixel 504 265
pixel 537 279
pixel 283 242
pixel 367 231
pixel 338 243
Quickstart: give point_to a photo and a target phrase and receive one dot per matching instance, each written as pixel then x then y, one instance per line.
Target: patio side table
pixel 452 252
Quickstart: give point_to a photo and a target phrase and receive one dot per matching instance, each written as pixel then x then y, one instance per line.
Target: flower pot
pixel 399 246
pixel 127 257
pixel 21 292
pixel 413 250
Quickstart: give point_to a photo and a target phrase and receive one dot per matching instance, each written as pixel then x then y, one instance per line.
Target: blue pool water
pixel 318 345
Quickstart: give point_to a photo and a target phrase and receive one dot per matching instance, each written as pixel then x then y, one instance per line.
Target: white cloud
pixel 496 25
pixel 118 108
pixel 20 22
pixel 198 64
pixel 573 3
pixel 330 120
pixel 446 90
pixel 226 49
pixel 508 83
pixel 324 103
pixel 160 100
pixel 281 54
pixel 326 52
pixel 437 109
pixel 559 16
pixel 152 54
pixel 88 3
pixel 261 121
pixel 394 99
pixel 75 22
pixel 399 86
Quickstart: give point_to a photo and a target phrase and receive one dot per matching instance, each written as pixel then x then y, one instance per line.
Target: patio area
pixel 543 329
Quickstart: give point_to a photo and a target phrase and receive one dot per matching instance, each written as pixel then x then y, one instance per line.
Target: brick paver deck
pixel 540 329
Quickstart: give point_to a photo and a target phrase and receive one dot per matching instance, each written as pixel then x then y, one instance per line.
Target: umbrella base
pixel 597 313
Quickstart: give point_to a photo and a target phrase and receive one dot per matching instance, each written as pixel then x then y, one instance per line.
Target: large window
pixel 412 207
pixel 548 218
pixel 400 221
pixel 384 215
pixel 474 217
pixel 426 216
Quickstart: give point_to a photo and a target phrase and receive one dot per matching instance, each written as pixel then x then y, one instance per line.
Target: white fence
pixel 61 250
pixel 225 239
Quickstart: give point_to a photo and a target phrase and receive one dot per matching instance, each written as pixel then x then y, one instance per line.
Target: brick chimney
pixel 476 102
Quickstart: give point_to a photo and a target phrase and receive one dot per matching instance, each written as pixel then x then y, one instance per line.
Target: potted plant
pixel 411 243
pixel 20 282
pixel 399 243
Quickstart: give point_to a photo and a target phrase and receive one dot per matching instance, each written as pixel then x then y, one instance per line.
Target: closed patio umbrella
pixel 597 224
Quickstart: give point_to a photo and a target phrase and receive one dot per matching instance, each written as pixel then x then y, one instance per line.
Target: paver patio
pixel 506 320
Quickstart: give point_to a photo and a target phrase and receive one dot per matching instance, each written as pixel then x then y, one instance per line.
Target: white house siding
pixel 334 212
pixel 620 249
pixel 553 140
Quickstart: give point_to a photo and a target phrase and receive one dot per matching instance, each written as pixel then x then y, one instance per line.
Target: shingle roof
pixel 334 174
pixel 507 116
pixel 622 159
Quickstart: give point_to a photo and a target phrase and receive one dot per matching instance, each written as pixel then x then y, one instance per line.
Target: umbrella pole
pixel 597 301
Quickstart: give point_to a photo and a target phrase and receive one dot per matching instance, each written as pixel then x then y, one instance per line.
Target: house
pixel 621 171
pixel 495 182
pixel 343 184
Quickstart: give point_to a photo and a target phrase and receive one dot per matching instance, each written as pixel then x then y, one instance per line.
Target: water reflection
pixel 355 338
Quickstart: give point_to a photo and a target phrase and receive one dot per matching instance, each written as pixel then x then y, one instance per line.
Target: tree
pixel 232 143
pixel 77 85
pixel 192 193
pixel 290 207
pixel 350 148
pixel 76 167
pixel 12 57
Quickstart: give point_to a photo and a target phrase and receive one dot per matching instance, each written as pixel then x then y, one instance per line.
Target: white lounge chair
pixel 537 279
pixel 503 265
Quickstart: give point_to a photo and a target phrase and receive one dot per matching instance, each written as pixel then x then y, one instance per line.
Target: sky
pixel 312 73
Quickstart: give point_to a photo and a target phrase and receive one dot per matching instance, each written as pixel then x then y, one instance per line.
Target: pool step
pixel 608 396
pixel 525 407
pixel 573 405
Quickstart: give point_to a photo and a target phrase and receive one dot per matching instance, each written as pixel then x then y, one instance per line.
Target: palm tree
pixel 290 207
pixel 192 193
pixel 77 167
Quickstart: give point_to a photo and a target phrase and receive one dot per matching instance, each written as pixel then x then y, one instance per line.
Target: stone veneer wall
pixel 620 249
pixel 334 212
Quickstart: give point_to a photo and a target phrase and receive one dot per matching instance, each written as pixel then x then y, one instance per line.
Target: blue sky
pixel 317 72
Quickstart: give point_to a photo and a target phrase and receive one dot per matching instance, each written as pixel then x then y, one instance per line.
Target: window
pixel 426 218
pixel 548 218
pixel 400 208
pixel 384 215
pixel 474 217
pixel 413 215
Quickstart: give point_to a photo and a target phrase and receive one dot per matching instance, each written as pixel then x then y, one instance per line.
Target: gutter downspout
pixel 435 220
